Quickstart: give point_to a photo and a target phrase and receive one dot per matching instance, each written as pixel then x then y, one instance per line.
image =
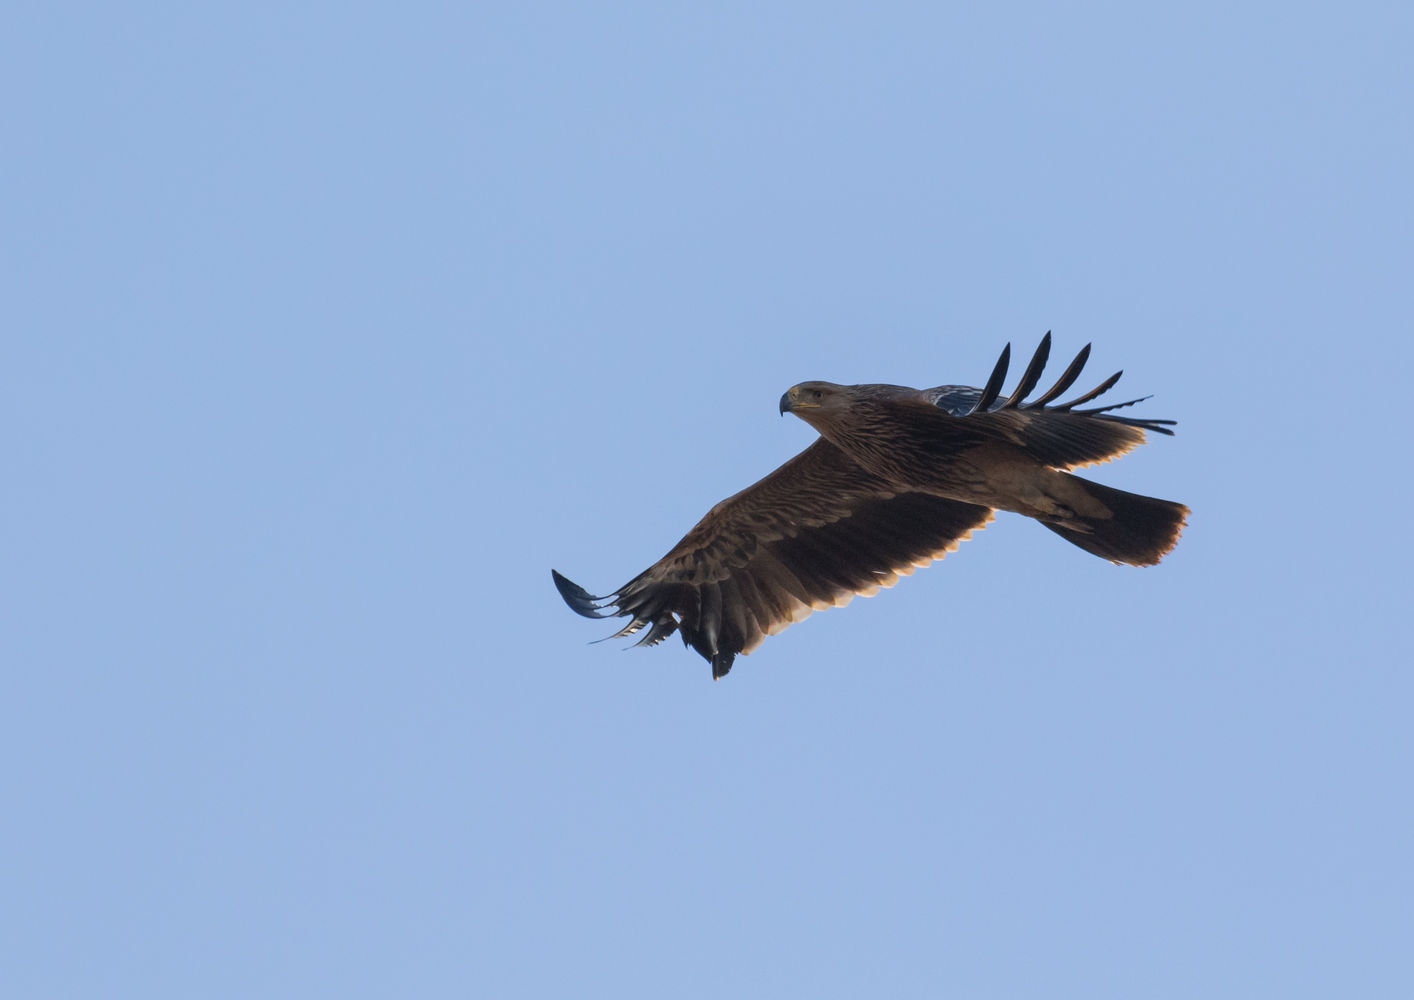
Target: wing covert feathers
pixel 812 535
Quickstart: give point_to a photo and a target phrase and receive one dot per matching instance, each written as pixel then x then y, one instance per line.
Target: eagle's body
pixel 899 477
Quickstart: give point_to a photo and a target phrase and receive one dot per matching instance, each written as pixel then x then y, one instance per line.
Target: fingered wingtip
pixel 1032 374
pixel 1065 381
pixel 993 388
pixel 580 601
pixel 1099 390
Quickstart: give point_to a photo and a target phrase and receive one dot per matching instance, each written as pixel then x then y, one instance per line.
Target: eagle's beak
pixel 794 402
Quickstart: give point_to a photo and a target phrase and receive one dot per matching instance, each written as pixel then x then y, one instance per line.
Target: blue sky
pixel 329 329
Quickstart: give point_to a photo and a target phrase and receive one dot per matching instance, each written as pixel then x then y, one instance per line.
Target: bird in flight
pixel 899 477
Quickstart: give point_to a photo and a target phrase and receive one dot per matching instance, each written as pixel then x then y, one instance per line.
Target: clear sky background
pixel 328 329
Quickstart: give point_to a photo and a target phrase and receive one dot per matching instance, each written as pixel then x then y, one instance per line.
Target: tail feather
pixel 1140 531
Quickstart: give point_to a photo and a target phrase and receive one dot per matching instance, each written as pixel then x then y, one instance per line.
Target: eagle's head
pixel 805 399
pixel 821 404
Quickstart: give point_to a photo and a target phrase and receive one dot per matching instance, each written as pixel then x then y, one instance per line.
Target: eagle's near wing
pixel 810 536
pixel 1058 435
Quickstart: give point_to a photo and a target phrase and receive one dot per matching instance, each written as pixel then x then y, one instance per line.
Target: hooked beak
pixel 794 401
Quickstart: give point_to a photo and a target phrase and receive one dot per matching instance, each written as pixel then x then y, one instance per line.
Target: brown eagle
pixel 898 477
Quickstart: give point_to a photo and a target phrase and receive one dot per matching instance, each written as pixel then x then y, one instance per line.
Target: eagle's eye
pixel 817 394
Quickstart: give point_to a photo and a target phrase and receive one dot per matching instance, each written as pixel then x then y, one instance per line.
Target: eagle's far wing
pixel 1059 435
pixel 811 535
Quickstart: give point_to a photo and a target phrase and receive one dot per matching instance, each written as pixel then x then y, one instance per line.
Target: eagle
pixel 899 477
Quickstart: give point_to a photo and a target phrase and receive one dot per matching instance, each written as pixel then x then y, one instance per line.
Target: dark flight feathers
pixel 821 529
pixel 811 535
pixel 1060 436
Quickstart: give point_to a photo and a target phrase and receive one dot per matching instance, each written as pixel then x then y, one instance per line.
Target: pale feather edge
pixel 803 611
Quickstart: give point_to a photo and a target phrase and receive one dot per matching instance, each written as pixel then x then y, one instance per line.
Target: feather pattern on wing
pixel 899 478
pixel 1060 436
pixel 812 535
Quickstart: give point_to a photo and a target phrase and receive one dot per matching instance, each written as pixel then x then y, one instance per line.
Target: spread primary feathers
pixel 898 478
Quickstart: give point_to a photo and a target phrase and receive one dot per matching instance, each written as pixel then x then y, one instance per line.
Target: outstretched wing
pixel 810 536
pixel 1059 435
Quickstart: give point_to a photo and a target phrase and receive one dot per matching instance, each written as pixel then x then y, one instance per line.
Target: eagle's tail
pixel 1140 531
